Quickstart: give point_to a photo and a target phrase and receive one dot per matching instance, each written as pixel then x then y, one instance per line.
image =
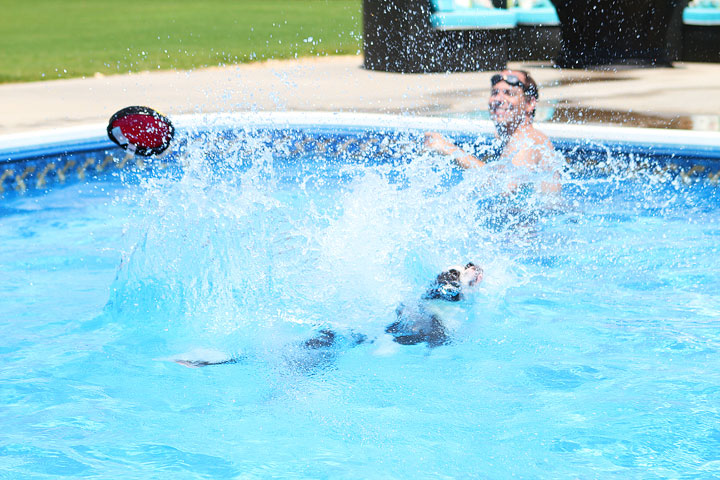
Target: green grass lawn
pixel 49 39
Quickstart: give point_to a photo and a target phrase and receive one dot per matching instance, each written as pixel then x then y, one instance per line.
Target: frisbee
pixel 141 130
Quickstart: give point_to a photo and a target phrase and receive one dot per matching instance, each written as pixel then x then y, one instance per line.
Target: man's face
pixel 508 104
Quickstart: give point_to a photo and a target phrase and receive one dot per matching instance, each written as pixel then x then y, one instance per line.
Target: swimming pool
pixel 589 351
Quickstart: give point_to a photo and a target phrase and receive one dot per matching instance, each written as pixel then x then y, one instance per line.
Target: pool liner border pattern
pixel 37 162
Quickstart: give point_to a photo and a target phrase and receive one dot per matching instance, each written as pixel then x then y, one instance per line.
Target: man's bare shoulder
pixel 536 137
pixel 529 137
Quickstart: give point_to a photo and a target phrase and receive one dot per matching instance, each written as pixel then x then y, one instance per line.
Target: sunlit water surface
pixel 589 351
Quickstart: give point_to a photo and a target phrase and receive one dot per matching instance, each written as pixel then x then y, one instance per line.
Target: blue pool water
pixel 591 350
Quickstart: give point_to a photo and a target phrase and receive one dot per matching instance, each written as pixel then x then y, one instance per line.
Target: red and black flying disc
pixel 141 129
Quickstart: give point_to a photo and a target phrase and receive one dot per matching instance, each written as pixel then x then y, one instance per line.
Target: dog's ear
pixel 448 276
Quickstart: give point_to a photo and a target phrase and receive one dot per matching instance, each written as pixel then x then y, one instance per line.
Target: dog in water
pixel 429 320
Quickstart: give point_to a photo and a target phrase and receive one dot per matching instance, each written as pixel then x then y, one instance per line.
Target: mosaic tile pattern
pixel 46 171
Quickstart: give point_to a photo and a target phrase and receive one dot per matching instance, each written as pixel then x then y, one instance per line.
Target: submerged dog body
pixel 429 320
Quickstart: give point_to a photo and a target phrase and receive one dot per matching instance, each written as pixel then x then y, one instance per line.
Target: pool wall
pixel 38 161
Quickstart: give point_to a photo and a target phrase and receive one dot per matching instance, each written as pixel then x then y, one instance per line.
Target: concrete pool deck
pixel 686 96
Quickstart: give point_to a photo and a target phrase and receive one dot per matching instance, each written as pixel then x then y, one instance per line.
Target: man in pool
pixel 518 146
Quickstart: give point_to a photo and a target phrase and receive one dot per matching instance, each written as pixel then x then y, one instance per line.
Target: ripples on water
pixel 590 351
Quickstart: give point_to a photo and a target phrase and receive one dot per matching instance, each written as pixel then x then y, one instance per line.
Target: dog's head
pixel 451 283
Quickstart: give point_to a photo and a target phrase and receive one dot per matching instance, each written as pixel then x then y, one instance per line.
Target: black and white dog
pixel 428 320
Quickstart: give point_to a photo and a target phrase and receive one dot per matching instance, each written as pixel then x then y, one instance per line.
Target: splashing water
pixel 254 250
pixel 590 346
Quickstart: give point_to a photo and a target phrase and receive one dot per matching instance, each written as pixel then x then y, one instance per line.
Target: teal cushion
pixel 473 18
pixel 536 16
pixel 451 6
pixel 701 16
pixel 442 5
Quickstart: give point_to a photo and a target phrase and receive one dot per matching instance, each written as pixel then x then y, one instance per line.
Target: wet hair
pixel 531 88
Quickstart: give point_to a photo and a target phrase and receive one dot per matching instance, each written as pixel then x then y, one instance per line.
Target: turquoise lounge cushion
pixel 701 16
pixel 455 5
pixel 443 5
pixel 541 13
pixel 472 18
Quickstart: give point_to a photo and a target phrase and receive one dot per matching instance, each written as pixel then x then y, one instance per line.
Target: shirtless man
pixel 512 104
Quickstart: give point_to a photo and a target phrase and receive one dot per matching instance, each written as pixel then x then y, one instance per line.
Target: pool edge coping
pixel 95 136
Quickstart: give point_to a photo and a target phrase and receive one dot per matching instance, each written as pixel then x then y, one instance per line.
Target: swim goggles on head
pixel 514 81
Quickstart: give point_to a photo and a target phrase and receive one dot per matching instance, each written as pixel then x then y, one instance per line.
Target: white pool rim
pixel 329 122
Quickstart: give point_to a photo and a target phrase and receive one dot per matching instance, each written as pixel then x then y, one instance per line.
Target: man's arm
pixel 442 145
